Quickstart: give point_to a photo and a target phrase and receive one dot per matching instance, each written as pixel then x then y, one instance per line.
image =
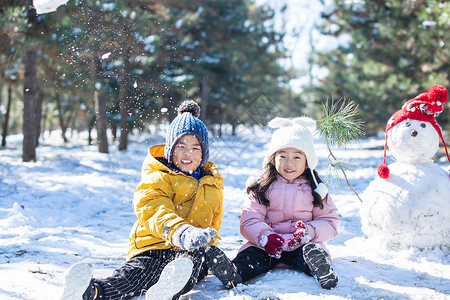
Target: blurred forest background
pixel 111 67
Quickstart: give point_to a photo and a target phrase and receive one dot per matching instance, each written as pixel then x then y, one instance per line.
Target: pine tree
pixel 390 52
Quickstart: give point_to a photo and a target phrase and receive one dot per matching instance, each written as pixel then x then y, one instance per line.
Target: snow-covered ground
pixel 75 204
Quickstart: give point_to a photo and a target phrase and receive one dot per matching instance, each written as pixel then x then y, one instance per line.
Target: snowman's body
pixel 411 206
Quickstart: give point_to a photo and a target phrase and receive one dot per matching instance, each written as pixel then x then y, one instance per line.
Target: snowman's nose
pixel 413 133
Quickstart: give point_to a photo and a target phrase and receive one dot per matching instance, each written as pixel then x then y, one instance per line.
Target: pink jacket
pixel 289 202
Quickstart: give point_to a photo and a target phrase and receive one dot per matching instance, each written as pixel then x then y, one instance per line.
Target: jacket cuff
pixel 177 234
pixel 263 237
pixel 311 231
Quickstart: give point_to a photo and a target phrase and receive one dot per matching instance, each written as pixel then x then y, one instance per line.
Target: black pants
pixel 254 261
pixel 141 272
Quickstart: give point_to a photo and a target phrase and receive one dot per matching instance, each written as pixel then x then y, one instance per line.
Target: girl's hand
pixel 273 244
pixel 301 231
pixel 301 237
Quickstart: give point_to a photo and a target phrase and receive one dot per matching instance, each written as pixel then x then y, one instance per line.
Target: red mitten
pixel 273 244
pixel 301 229
pixel 300 237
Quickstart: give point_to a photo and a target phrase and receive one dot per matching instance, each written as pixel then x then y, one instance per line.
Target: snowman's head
pixel 410 132
pixel 413 141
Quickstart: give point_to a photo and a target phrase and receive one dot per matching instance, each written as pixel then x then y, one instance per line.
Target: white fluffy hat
pixel 295 133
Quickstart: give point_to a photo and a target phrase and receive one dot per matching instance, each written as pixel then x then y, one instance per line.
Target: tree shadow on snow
pixel 359 278
pixel 369 279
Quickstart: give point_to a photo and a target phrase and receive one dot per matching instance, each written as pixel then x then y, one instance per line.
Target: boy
pixel 178 204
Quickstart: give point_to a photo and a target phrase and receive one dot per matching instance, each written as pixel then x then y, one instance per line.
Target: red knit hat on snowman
pixel 425 107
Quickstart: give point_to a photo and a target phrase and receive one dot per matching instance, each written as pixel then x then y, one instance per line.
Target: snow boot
pixel 221 267
pixel 77 283
pixel 319 264
pixel 172 280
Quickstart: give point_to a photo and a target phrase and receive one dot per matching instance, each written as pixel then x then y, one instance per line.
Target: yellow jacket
pixel 165 199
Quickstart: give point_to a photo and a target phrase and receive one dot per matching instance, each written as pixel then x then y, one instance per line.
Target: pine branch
pixel 338 127
pixel 339 123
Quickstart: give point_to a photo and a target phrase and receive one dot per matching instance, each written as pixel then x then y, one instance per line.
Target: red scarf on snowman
pixel 425 107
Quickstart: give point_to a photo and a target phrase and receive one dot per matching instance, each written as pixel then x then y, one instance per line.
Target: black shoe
pixel 319 264
pixel 221 267
pixel 91 292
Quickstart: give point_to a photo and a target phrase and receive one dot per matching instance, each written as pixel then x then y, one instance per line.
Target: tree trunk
pixel 91 123
pixel 235 120
pixel 6 120
pixel 29 114
pixel 62 124
pixel 1 98
pixel 204 95
pixel 113 126
pixel 100 110
pixel 90 127
pixel 100 106
pixel 38 111
pixel 1 101
pixel 124 102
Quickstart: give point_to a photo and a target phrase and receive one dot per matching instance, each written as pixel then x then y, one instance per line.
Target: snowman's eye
pixel 407 124
pixel 423 125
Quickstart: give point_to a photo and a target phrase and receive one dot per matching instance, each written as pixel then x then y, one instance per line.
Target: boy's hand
pixel 192 237
pixel 273 244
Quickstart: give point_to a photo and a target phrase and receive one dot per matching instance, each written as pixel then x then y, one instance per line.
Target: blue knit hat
pixel 187 122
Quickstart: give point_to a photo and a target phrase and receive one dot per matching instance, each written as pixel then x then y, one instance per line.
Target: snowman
pixel 407 205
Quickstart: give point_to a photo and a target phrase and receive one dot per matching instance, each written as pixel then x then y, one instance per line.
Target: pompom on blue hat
pixel 187 122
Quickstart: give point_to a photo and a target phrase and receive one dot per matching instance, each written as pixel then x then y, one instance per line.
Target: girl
pixel 288 216
pixel 178 205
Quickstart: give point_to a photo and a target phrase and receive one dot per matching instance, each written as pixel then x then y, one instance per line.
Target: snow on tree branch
pixel 46 6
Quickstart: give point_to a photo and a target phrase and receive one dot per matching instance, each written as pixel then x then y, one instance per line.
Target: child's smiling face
pixel 290 163
pixel 187 153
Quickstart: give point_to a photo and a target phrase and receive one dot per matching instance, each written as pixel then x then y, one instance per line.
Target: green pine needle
pixel 333 176
pixel 333 173
pixel 339 125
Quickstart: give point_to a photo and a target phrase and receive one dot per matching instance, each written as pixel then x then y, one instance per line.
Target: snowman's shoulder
pixel 413 177
pixel 406 169
pixel 434 167
pixel 431 169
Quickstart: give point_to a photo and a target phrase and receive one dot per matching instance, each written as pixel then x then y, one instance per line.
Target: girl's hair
pixel 260 186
